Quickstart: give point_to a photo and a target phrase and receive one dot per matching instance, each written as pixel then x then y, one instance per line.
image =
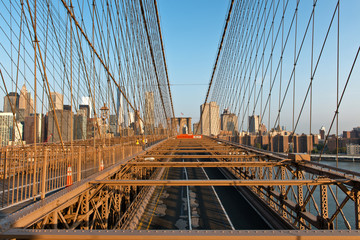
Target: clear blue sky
pixel 191 34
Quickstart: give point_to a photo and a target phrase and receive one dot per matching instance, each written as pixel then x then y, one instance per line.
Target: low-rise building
pixel 353 149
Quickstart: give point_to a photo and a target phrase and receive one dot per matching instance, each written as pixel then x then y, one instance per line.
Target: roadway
pixel 199 208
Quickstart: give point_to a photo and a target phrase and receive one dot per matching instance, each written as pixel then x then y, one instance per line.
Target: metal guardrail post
pixel 43 174
pixel 122 152
pixel 79 166
pixel 4 176
pixel 113 154
pixel 34 177
pixel 99 159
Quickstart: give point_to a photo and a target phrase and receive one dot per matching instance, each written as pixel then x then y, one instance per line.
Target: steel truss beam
pixel 199 151
pixel 181 234
pixel 204 164
pixel 232 182
pixel 199 156
pixel 295 205
pixel 215 147
pixel 272 181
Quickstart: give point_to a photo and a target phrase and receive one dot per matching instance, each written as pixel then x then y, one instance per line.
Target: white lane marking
pixel 188 199
pixel 222 207
pixel 251 205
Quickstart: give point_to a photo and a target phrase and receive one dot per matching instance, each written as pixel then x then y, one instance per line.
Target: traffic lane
pixel 206 210
pixel 242 215
pixel 165 211
pixel 170 210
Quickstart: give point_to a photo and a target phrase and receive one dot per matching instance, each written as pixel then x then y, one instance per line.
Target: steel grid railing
pixel 31 173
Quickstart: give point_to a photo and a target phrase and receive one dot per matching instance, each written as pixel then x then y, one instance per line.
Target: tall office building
pixel 210 121
pixel 64 118
pixel 131 118
pixel 112 123
pixel 80 124
pixel 6 128
pixel 26 104
pixel 322 133
pixel 18 133
pixel 254 121
pixel 229 122
pixel 84 110
pixel 87 101
pixel 149 112
pixel 58 100
pixel 11 100
pixel 29 128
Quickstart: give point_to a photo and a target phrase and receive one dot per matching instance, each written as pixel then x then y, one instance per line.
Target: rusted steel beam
pixel 199 156
pixel 55 234
pixel 232 182
pixel 353 180
pixel 198 151
pixel 202 164
pixel 171 147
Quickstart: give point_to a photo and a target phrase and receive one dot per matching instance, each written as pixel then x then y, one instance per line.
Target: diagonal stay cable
pixel 152 55
pixel 338 105
pixel 98 56
pixel 163 53
pixel 216 62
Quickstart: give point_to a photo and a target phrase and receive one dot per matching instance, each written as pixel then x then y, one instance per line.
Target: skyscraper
pixel 80 124
pixel 29 128
pixel 26 104
pixel 149 112
pixel 18 133
pixel 131 118
pixel 112 123
pixel 254 121
pixel 87 101
pixel 210 121
pixel 322 133
pixel 6 128
pixel 58 100
pixel 11 100
pixel 64 118
pixel 229 121
pixel 84 110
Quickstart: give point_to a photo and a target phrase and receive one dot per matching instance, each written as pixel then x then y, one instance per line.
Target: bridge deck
pixel 188 193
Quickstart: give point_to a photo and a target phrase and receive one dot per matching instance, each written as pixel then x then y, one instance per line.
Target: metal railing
pixel 31 172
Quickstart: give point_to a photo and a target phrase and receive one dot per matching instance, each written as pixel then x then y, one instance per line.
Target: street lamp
pixel 104 115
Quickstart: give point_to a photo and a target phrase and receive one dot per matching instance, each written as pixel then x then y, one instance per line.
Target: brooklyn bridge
pixel 92 145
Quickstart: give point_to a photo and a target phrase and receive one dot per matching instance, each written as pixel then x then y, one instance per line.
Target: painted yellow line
pixel 143 218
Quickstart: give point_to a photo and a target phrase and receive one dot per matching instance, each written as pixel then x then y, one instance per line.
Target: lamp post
pixel 104 116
